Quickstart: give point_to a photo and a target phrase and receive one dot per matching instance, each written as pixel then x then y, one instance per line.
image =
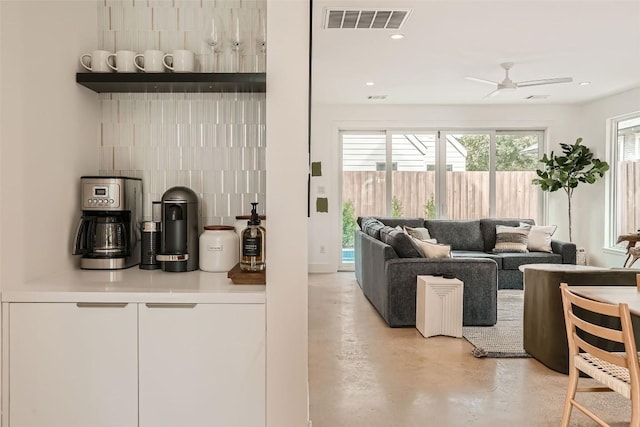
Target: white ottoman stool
pixel 439 306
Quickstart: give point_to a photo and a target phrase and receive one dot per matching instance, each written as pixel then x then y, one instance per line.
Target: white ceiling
pixel 596 41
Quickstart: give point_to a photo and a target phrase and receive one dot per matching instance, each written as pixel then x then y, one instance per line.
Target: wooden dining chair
pixel 616 371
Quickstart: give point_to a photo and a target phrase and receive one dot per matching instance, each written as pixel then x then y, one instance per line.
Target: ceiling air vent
pixel 377 97
pixel 366 19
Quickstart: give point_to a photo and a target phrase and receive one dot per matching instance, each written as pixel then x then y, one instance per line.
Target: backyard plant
pixel 576 164
pixel 396 208
pixel 430 208
pixel 348 224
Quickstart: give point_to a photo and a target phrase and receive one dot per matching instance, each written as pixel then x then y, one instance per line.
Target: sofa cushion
pixel 371 226
pixel 400 242
pixel 540 238
pixel 461 235
pixel 511 239
pixel 477 254
pixel 488 229
pixel 511 261
pixel 432 250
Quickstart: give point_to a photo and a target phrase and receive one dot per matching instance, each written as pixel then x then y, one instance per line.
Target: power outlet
pixel 322 249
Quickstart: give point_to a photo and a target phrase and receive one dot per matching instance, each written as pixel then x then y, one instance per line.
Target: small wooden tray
pixel 240 277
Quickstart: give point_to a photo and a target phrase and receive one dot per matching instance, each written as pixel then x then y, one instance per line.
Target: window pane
pixel 467 176
pixel 363 183
pixel 413 185
pixel 628 175
pixel 516 163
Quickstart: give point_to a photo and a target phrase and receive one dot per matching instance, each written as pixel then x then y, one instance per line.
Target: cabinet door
pixel 72 365
pixel 202 365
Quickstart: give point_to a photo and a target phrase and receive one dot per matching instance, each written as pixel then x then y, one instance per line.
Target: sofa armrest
pixel 566 250
pixel 480 278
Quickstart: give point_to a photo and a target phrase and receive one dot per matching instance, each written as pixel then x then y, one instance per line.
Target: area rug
pixel 505 338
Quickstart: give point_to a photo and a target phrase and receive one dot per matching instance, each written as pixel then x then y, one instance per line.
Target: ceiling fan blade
pixel 492 94
pixel 544 82
pixel 475 79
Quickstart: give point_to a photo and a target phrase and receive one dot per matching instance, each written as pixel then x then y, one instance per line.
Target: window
pixel 625 175
pixel 438 174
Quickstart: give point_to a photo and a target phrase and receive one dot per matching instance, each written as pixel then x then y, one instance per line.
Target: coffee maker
pixel 180 231
pixel 108 235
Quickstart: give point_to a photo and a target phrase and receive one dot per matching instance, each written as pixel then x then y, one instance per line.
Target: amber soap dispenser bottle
pixel 252 253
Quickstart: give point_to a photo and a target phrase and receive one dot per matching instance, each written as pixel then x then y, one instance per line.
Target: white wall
pixel 561 123
pixel 48 134
pixel 287 168
pixel 589 201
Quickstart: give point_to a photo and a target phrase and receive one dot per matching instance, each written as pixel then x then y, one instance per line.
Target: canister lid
pixel 218 227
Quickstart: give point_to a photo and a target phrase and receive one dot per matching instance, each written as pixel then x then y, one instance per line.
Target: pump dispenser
pixel 252 251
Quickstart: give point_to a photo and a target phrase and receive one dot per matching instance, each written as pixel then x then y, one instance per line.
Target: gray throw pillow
pixel 400 242
pixel 511 239
pixel 372 227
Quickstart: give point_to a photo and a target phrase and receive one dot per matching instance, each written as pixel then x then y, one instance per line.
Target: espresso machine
pixel 180 231
pixel 108 235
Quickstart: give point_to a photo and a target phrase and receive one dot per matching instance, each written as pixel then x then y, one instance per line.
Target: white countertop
pixel 135 285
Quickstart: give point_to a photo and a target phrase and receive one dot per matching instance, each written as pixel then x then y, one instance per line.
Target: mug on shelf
pixel 123 61
pixel 97 61
pixel 182 61
pixel 151 61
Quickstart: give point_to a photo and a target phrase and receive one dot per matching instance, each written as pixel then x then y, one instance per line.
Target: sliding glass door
pixel 438 174
pixel 466 179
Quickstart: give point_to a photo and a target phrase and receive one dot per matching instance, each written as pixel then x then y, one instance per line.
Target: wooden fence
pixel 467 193
pixel 628 196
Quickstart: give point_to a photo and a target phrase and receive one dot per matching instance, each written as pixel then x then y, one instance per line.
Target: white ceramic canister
pixel 219 248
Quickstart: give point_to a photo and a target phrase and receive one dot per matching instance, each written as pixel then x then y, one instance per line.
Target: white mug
pixel 123 61
pixel 151 60
pixel 182 61
pixel 97 61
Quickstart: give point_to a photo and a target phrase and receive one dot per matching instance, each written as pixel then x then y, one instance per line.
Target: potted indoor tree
pixel 576 164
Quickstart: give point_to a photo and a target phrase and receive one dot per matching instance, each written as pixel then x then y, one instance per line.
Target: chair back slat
pixel 607 356
pixel 597 330
pixel 593 306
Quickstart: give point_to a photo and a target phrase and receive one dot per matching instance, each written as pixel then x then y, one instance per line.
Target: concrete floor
pixel 363 373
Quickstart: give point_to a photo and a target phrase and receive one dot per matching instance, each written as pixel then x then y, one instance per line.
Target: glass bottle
pixel 252 252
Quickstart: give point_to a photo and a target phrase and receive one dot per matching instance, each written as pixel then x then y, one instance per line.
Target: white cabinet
pixel 202 365
pixel 136 364
pixel 71 365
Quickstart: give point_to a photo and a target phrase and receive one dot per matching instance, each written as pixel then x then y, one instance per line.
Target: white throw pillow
pixel 432 250
pixel 419 233
pixel 540 237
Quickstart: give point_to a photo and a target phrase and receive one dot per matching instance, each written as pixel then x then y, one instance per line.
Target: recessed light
pixel 585 83
pixel 397 36
pixel 369 83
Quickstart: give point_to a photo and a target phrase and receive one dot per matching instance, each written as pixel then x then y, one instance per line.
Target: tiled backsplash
pixel 213 143
pixel 187 24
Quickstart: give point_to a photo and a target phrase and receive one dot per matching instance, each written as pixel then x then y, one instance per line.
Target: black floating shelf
pixel 173 82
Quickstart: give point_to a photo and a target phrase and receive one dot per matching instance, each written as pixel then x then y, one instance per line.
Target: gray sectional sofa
pixel 387 272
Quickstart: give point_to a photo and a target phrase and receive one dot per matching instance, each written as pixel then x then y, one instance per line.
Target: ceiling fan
pixel 508 85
